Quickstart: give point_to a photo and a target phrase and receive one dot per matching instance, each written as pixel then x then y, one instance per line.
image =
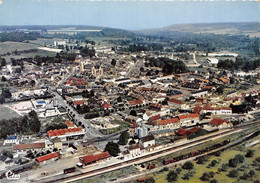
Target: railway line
pixel 130 162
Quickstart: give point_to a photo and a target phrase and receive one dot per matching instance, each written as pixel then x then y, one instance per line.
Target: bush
pixel 240 158
pixel 164 169
pixel 172 176
pixel 178 170
pixel 250 153
pixel 224 167
pixel 233 173
pixel 218 153
pixel 188 165
pixel 213 181
pixel 233 162
pixel 258 159
pixel 205 177
pixel 252 173
pixel 213 163
pixel 201 161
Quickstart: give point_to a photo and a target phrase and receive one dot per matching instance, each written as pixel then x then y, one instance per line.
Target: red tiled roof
pixel 92 158
pixel 167 121
pixel 106 105
pixel 183 132
pixel 156 117
pixel 47 157
pixel 194 130
pixel 102 155
pixel 135 102
pixel 197 109
pixel 207 88
pixel 156 105
pixel 224 80
pixel 69 124
pixel 133 125
pixel 79 102
pixel 62 131
pixel 176 101
pixel 28 146
pixel 196 115
pixel 218 121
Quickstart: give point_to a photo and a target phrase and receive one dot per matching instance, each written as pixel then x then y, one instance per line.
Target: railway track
pixel 129 162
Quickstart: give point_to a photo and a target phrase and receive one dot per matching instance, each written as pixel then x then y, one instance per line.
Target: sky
pixel 126 14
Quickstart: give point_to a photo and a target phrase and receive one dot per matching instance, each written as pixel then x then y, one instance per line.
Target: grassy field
pixel 220 176
pixel 12 46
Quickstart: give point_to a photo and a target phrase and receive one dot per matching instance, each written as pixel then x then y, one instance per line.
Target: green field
pixel 9 46
pixel 220 176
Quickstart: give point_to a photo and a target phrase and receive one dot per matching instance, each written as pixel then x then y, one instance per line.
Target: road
pixel 91 132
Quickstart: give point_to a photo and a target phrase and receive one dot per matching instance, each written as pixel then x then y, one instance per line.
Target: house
pixel 12 139
pixel 176 103
pixel 106 105
pixel 70 124
pixel 89 159
pixel 185 132
pixel 57 143
pixel 78 102
pixel 132 127
pixel 189 119
pixel 197 109
pixel 201 100
pixel 220 123
pixel 156 107
pixel 169 123
pixel 163 133
pixel 24 147
pixel 152 120
pixel 48 157
pixel 133 150
pixel 67 133
pixel 147 141
pixel 217 110
pixel 199 93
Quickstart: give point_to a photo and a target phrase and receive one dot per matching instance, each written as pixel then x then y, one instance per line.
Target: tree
pixel 113 62
pixel 220 89
pixel 240 158
pixel 250 153
pixel 201 160
pixel 213 181
pixel 133 113
pixel 178 170
pixel 233 162
pixel 224 167
pixel 3 79
pixel 123 138
pixel 233 173
pixel 172 176
pixel 112 148
pixel 188 165
pixel 252 173
pixel 213 163
pixel 3 62
pixel 35 123
pixel 205 177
